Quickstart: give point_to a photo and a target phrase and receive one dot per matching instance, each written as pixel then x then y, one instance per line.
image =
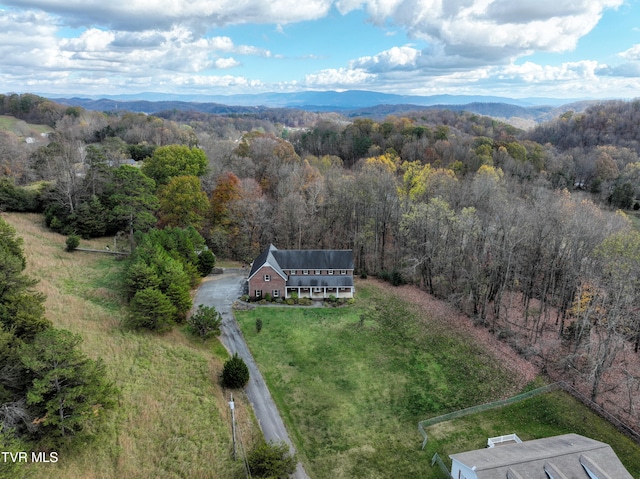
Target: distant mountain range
pixel 352 103
pixel 309 100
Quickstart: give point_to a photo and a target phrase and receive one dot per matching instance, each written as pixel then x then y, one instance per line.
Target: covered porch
pixel 320 287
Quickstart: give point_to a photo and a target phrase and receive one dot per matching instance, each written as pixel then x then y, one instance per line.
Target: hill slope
pixel 172 419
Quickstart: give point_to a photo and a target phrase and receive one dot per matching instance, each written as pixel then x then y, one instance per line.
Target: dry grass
pixel 173 417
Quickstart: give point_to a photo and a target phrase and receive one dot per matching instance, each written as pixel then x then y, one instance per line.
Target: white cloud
pixel 172 44
pixel 92 40
pixel 135 15
pixel 632 53
pixel 338 78
pixel 532 73
pixel 400 58
pixel 506 28
pixel 226 63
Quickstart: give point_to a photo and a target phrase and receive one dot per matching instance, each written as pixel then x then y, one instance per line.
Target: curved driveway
pixel 221 291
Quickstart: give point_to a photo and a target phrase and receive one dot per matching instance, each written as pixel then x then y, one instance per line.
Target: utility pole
pixel 233 425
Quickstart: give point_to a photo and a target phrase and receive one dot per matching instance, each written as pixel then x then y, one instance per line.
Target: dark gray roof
pixel 260 260
pixel 300 259
pixel 314 259
pixel 267 258
pixel 329 281
pixel 528 459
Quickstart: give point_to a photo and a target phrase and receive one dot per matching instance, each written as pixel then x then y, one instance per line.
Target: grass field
pixel 352 387
pixel 173 418
pixel 20 127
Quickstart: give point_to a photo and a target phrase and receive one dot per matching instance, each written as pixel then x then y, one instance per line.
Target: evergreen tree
pixel 151 309
pixel 21 309
pixel 206 262
pixel 206 321
pixel 131 200
pixel 235 373
pixel 68 391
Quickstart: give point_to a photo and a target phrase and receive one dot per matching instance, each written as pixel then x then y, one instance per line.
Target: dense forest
pixel 519 229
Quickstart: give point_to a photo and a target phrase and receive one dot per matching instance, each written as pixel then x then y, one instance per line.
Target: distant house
pixel 569 456
pixel 316 274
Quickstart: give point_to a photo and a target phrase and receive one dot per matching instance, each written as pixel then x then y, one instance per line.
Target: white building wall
pixel 461 471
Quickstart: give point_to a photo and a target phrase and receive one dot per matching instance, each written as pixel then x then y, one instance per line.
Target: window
pixel 317 290
pixel 344 271
pixel 305 271
pixel 317 271
pixel 293 271
pixel 258 293
pixel 267 277
pixel 330 271
pixel 275 293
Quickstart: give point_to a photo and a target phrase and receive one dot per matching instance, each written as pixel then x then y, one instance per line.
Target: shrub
pixel 305 301
pixel 206 262
pixel 73 241
pixel 258 325
pixel 394 277
pixel 235 373
pixel 267 298
pixel 271 460
pixel 205 322
pixel 56 224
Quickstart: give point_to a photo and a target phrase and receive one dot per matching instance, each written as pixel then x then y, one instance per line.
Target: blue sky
pixel 547 48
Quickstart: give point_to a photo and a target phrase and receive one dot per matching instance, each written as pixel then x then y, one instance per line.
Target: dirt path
pixel 221 291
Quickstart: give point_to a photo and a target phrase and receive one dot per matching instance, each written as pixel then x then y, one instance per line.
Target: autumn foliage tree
pixel 227 190
pixel 183 203
pixel 170 161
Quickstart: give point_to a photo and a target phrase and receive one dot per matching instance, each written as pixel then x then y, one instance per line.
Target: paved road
pixel 221 291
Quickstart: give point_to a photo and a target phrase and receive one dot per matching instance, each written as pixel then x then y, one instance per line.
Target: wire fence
pixel 603 413
pixel 436 459
pixel 422 425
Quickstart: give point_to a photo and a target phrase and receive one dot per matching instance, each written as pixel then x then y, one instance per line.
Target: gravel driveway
pixel 221 291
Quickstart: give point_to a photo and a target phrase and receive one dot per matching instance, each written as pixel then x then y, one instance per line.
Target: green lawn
pixel 352 384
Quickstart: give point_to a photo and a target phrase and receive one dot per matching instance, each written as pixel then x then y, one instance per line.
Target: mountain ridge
pixel 348 99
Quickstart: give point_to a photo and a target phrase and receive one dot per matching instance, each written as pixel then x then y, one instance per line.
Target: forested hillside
pixel 518 229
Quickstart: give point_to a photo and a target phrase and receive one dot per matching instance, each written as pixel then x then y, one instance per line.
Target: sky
pixel 514 48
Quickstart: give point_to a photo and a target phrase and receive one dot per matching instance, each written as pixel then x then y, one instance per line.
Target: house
pixel 569 456
pixel 316 274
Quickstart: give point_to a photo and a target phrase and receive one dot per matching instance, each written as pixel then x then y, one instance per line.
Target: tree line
pixel 518 229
